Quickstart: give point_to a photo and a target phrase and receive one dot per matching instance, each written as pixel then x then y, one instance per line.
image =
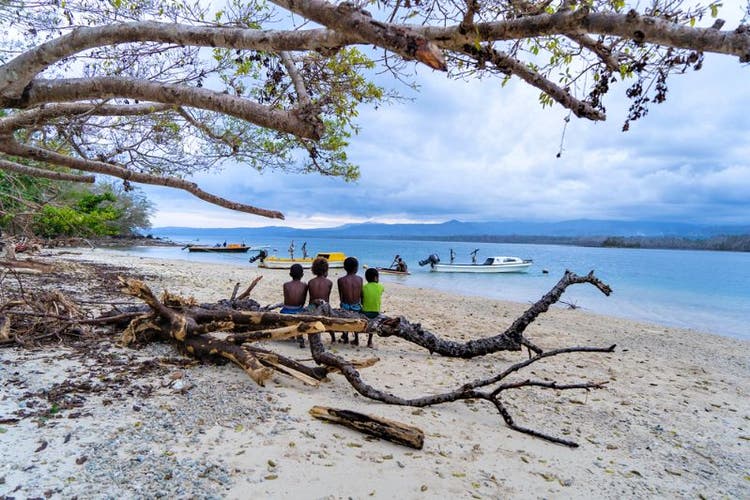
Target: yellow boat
pixel 335 260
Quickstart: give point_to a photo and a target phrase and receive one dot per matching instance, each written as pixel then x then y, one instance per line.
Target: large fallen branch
pixel 194 327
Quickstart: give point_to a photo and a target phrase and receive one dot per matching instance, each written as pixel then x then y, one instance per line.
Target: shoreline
pixel 628 313
pixel 674 419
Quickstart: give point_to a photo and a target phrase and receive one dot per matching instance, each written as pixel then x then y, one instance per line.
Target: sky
pixel 475 151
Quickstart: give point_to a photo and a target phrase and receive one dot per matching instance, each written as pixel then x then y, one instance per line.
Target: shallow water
pixel 704 291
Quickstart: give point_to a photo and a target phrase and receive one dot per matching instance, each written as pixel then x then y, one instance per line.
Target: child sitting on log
pixel 350 291
pixel 320 286
pixel 295 293
pixel 371 295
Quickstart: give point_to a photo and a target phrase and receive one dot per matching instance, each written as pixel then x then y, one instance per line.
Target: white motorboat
pixel 498 264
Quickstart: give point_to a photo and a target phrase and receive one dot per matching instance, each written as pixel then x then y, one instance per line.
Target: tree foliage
pixel 152 91
pixel 48 208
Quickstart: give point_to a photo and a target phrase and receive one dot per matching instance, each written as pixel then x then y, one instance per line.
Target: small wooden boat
pixel 231 248
pixel 335 260
pixel 390 270
pixel 501 264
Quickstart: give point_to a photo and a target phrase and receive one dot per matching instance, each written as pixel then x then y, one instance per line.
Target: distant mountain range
pixel 456 230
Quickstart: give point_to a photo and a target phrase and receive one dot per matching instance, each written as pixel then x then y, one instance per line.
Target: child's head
pixel 371 275
pixel 320 266
pixel 296 272
pixel 351 265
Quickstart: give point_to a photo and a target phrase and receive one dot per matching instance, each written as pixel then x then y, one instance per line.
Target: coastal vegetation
pixel 33 206
pixel 154 92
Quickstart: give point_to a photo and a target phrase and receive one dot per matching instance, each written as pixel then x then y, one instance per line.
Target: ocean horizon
pixel 704 291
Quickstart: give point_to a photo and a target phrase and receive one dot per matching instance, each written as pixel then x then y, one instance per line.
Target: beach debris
pixel 181 320
pixel 380 427
pixel 228 331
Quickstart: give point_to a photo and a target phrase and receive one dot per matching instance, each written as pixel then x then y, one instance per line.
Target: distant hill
pixel 453 229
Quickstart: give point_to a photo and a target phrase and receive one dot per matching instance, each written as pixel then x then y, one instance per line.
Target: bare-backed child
pixel 350 292
pixel 295 293
pixel 320 286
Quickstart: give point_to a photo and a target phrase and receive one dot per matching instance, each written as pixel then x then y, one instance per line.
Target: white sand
pixel 674 420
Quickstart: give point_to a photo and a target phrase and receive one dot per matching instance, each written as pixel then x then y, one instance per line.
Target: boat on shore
pixel 335 260
pixel 497 264
pixel 230 248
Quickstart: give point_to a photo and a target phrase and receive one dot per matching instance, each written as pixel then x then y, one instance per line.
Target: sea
pixel 705 291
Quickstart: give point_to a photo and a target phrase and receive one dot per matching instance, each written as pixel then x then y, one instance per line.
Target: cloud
pixel 476 151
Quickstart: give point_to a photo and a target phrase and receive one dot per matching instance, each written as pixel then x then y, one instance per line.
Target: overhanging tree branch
pixel 630 26
pixel 45 91
pixel 41 115
pixel 11 166
pixel 12 147
pixel 348 19
pixel 510 65
pixel 17 73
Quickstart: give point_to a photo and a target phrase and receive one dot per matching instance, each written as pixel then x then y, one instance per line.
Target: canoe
pixel 388 270
pixel 231 248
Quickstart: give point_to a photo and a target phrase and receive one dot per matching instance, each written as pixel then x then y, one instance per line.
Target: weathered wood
pixel 272 361
pixel 390 430
pixel 4 328
pixel 191 325
pixel 275 320
pixel 207 346
pixel 28 266
pixel 249 289
pixel 356 363
pixel 315 372
pixel 181 326
pixel 285 332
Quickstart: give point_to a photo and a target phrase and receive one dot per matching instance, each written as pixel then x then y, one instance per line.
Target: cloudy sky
pixel 476 151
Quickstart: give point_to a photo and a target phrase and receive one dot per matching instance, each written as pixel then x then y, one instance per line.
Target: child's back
pixel 320 286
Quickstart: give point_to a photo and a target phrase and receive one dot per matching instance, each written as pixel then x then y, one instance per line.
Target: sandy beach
pixel 673 420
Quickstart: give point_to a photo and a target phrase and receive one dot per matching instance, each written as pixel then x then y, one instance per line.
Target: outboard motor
pixel 431 260
pixel 262 254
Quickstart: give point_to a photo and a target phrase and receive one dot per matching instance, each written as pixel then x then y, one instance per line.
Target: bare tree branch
pixel 12 147
pixel 511 65
pixel 44 113
pixel 45 91
pixel 630 26
pixel 347 18
pixel 299 84
pixel 47 174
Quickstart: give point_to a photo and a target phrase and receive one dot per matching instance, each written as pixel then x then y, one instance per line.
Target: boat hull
pixel 481 268
pixel 385 270
pixel 218 249
pixel 336 262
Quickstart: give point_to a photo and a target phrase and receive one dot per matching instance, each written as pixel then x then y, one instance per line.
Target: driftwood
pixel 390 430
pixel 28 266
pixel 195 328
pixel 230 329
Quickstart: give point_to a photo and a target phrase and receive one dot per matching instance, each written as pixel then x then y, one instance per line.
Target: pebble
pixel 151 452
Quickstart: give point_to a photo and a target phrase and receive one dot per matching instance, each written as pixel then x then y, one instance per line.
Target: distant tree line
pixel 729 243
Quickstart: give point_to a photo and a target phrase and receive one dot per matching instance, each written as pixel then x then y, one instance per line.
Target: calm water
pixel 705 291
